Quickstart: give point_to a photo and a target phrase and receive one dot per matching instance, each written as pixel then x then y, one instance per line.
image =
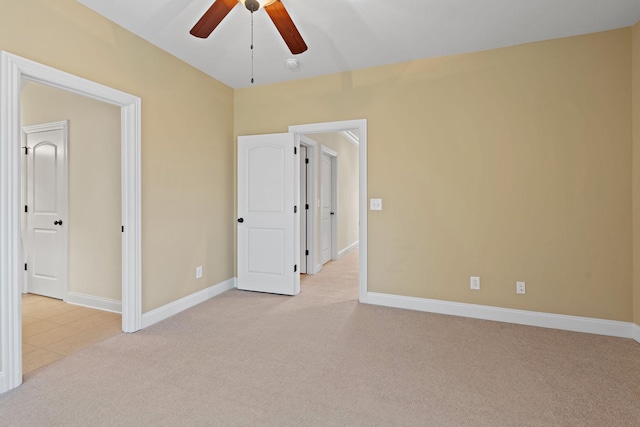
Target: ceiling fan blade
pixel 212 17
pixel 286 27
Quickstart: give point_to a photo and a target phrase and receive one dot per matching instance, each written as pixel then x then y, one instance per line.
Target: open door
pixel 46 209
pixel 268 209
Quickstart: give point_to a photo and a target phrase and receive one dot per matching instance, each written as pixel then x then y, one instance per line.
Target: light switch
pixel 376 204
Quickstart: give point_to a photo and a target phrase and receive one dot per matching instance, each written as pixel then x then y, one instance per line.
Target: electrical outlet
pixel 199 272
pixel 375 204
pixel 475 283
pixel 520 288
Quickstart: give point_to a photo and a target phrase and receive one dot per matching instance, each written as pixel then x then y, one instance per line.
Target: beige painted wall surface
pixel 95 214
pixel 187 137
pixel 636 171
pixel 347 186
pixel 510 164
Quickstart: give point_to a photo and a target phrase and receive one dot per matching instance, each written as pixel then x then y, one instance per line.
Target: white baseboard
pixel 317 269
pixel 348 249
pixel 636 332
pixel 521 317
pixel 161 313
pixel 98 303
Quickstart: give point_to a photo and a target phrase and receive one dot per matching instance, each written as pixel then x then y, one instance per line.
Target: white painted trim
pixel 312 155
pixel 13 69
pixel 161 313
pixel 328 151
pixel 636 332
pixel 98 303
pixel 361 125
pixel 348 249
pixel 521 317
pixel 350 136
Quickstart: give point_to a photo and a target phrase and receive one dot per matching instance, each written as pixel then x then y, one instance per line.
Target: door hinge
pixel 295 150
pixel 306 161
pixel 123 228
pixel 26 208
pixel 306 252
pixel 295 268
pixel 25 266
pixel 306 206
pixel 295 209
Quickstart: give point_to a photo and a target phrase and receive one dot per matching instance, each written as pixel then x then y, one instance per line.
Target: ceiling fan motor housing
pixel 252 5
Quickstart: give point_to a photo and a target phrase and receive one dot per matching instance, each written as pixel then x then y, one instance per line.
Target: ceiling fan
pixel 275 9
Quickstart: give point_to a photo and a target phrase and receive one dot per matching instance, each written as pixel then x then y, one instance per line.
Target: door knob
pixel 240 220
pixel 58 222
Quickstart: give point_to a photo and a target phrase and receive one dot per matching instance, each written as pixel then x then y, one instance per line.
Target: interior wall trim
pixel 166 311
pixel 636 332
pixel 521 317
pixel 348 249
pixel 98 303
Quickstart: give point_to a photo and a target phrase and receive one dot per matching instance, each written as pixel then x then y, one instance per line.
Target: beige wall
pixel 187 137
pixel 95 214
pixel 510 164
pixel 636 172
pixel 348 209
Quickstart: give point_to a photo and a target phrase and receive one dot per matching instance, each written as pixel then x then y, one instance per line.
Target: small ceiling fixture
pixel 292 63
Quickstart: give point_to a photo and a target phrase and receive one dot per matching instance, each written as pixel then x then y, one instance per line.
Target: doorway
pixel 356 132
pixel 87 214
pixel 14 71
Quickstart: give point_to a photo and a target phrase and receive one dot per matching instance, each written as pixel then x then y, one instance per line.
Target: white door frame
pixel 334 199
pixel 361 125
pixel 312 264
pixel 13 69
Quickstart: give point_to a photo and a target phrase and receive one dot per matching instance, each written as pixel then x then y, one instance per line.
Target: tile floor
pixel 53 329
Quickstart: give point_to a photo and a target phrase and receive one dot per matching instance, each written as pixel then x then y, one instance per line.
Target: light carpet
pixel 323 359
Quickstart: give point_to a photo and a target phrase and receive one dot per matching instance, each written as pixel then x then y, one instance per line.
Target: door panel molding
pixel 13 69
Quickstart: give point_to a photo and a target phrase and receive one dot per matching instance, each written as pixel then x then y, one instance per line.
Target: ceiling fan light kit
pixel 254 5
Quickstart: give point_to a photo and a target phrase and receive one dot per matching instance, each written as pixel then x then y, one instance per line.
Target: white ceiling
pixel 346 35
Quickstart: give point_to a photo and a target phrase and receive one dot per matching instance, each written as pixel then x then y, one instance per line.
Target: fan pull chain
pixel 252 47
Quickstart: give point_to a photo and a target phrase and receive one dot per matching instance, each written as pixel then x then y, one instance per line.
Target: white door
pixel 46 208
pixel 268 222
pixel 304 209
pixel 326 207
